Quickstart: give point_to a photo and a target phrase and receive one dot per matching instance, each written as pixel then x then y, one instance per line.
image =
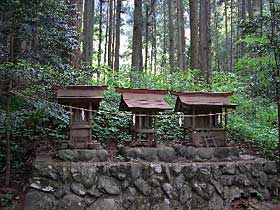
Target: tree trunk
pixel 273 42
pixel 146 37
pixel 109 59
pixel 117 45
pixel 88 32
pixel 216 36
pixel 182 31
pixel 181 35
pixel 205 41
pixel 106 36
pixel 237 28
pixel 243 17
pixel 261 14
pixel 250 9
pixel 194 48
pixel 154 33
pixel 180 44
pixel 226 33
pixel 171 35
pixel 137 59
pixel 163 61
pixel 114 31
pixel 8 143
pixel 100 33
pixel 75 11
pixel 231 36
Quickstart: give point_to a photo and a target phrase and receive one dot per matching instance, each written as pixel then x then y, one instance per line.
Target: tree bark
pixel 106 36
pixel 146 37
pixel 76 10
pixel 194 47
pixel 171 35
pixel 109 59
pixel 100 33
pixel 88 32
pixel 276 75
pixel 163 61
pixel 243 17
pixel 231 36
pixel 226 33
pixel 216 36
pixel 205 41
pixel 250 9
pixel 137 58
pixel 181 35
pixel 114 31
pixel 154 33
pixel 182 31
pixel 8 143
pixel 261 14
pixel 117 45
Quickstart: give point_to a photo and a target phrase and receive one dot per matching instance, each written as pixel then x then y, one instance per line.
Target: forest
pixel 177 45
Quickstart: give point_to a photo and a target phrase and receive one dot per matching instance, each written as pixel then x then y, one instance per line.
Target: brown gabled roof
pixel 80 94
pixel 142 100
pixel 202 99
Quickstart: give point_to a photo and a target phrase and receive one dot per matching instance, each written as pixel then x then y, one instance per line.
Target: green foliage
pixel 258 71
pixel 6 202
pixel 111 127
pixel 255 40
pixel 41 24
pixel 254 120
pixel 32 122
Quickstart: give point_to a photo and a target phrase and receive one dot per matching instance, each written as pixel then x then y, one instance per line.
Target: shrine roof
pixel 143 100
pixel 80 94
pixel 202 99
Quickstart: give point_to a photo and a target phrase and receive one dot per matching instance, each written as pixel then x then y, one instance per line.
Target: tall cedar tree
pixel 194 48
pixel 106 35
pixel 154 34
pixel 110 33
pixel 205 41
pixel 171 35
pixel 275 43
pixel 216 36
pixel 147 8
pixel 137 58
pixel 100 33
pixel 75 11
pixel 163 61
pixel 226 33
pixel 117 44
pixel 181 35
pixel 88 32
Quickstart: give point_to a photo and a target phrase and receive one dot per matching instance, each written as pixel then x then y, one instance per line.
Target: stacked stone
pixel 170 154
pixel 143 185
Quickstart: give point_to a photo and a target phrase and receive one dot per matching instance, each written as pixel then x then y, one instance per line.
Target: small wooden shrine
pixel 207 120
pixel 143 103
pixel 82 97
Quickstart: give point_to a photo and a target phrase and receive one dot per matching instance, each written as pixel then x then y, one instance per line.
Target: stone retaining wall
pixel 170 154
pixel 148 186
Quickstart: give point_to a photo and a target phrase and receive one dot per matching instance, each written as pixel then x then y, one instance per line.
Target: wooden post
pixel 193 119
pixel 210 120
pixel 71 121
pixel 225 118
pixel 90 119
pixel 156 122
pixel 140 126
pixel 71 114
